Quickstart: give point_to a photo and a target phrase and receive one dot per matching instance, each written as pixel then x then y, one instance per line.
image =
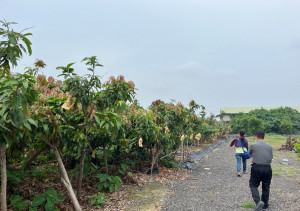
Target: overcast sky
pixel 221 53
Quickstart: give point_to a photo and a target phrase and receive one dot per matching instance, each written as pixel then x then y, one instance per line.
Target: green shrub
pixel 17 203
pixel 42 174
pixel 108 183
pixel 169 162
pixel 98 200
pixel 297 147
pixel 123 170
pixel 15 177
pixel 46 200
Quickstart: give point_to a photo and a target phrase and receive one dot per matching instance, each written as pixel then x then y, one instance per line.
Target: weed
pixel 98 200
pixel 288 170
pixel 42 173
pixel 15 177
pixel 123 170
pixel 108 183
pixel 276 174
pixel 279 192
pixel 248 205
pixel 169 162
pixel 17 203
pixel 46 200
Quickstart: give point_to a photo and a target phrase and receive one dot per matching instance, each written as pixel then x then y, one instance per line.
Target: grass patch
pixel 276 174
pixel 248 205
pixel 276 141
pixel 290 171
pixel 279 192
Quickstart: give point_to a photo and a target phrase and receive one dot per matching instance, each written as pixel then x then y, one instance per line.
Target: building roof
pixel 236 110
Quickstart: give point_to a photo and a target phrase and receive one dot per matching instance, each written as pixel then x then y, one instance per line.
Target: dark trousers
pixel 260 173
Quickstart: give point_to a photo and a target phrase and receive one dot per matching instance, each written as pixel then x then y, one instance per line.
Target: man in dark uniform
pixel 261 171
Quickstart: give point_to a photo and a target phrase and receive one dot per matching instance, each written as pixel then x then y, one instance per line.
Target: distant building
pixel 226 114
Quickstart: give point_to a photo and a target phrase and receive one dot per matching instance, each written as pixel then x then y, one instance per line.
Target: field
pixel 276 141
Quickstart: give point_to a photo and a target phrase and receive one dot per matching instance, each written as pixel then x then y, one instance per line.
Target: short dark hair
pixel 260 134
pixel 242 133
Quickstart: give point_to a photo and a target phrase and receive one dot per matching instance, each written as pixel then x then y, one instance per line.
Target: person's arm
pixel 246 145
pixel 250 150
pixel 233 142
pixel 272 153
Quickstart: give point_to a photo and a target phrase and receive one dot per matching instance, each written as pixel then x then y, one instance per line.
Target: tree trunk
pixel 3 177
pixel 155 158
pixel 182 152
pixel 80 175
pixel 105 159
pixel 65 178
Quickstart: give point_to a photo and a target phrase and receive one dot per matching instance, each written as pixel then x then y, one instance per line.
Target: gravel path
pixel 216 186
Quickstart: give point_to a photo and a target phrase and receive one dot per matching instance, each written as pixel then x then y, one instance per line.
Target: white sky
pixel 219 53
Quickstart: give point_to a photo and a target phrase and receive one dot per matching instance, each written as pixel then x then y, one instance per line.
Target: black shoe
pixel 265 208
pixel 259 206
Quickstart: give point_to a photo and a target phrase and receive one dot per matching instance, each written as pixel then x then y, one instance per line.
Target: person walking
pixel 239 153
pixel 261 171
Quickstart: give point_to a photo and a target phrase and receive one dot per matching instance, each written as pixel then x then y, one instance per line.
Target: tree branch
pixel 28 162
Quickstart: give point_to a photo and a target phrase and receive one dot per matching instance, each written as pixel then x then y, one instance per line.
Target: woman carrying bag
pixel 241 152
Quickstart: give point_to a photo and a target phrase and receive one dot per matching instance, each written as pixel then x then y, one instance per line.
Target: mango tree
pixel 82 92
pixel 111 102
pixel 14 95
pixel 52 127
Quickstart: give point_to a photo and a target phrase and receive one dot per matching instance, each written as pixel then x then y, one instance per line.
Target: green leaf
pixel 46 128
pixel 51 192
pixel 28 44
pixel 38 200
pixel 124 166
pixel 13 178
pixel 111 188
pixel 12 38
pixel 117 186
pixel 33 122
pixel 27 34
pixel 50 204
pixel 103 177
pixel 100 187
pixel 27 126
pixel 4 109
pixel 70 64
pixel 15 198
pixel 107 126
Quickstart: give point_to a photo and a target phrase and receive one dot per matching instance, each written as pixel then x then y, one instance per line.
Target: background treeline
pixel 283 120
